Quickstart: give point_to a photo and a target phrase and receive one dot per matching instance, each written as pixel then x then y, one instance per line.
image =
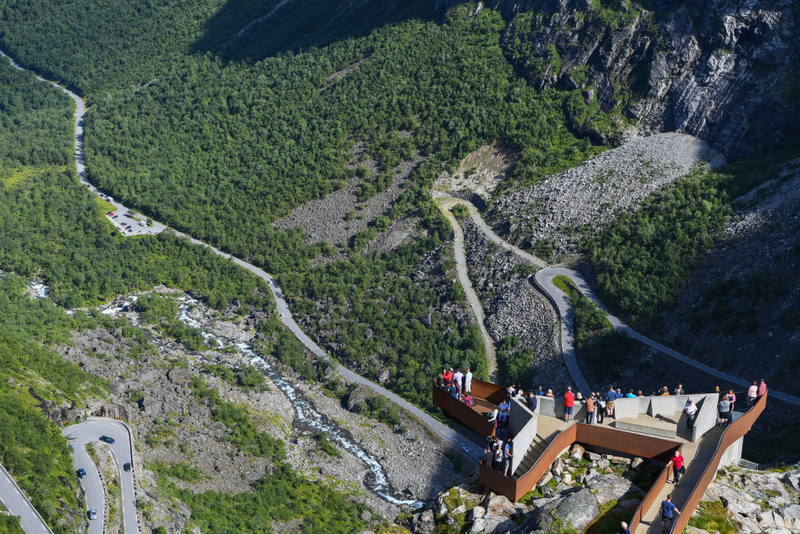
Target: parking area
pixel 128 225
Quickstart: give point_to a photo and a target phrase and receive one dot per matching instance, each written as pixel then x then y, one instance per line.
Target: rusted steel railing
pixel 729 436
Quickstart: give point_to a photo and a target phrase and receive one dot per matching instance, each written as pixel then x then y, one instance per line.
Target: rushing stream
pixel 307 416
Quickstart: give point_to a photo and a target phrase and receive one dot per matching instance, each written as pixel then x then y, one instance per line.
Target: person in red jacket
pixel 447 375
pixel 569 402
pixel 677 466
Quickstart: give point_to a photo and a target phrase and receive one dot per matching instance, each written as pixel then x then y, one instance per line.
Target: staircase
pixel 548 429
pixel 534 452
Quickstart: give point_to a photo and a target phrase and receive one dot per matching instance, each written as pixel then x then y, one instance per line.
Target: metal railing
pixel 730 435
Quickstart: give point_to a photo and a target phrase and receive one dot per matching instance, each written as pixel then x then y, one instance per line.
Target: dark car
pixel 106 439
pixel 126 466
pixel 92 514
pixel 81 473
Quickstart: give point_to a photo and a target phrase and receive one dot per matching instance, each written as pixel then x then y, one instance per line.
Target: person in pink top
pixel 569 402
pixel 752 395
pixel 762 388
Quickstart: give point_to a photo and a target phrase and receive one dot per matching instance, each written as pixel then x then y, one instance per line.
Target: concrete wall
pixel 624 408
pixel 554 407
pixel 733 454
pixel 706 415
pixel 522 426
pixel 549 407
pixel 667 406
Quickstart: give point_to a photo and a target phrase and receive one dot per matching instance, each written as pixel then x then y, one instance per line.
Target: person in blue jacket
pixel 667 512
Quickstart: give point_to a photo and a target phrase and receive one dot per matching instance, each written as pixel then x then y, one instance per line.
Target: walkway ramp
pixel 697 456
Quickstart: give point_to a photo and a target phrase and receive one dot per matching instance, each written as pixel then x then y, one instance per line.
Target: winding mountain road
pixel 443 431
pixel 90 431
pixel 446 433
pixel 445 205
pixel 543 280
pixel 18 504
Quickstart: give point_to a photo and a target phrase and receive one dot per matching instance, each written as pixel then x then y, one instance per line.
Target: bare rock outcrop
pixel 555 213
pixel 717 69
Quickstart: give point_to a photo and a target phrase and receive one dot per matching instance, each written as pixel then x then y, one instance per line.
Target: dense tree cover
pixel 28 324
pixel 222 149
pixel 9 524
pixel 52 227
pixel 299 25
pixel 644 259
pixel 210 146
pixel 514 362
pixel 603 351
pixel 383 318
pixel 281 497
pixel 35 122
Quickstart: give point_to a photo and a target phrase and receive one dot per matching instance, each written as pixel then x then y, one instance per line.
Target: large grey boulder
pixel 609 487
pixel 737 502
pixel 578 509
pixel 356 401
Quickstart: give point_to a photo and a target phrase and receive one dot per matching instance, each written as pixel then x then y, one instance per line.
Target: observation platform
pixel 652 428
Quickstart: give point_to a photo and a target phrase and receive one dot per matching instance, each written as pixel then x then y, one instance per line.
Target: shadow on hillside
pixel 250 30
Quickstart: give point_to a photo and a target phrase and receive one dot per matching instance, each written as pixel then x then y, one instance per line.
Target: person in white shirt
pixel 691 413
pixel 752 395
pixel 457 379
pixel 468 382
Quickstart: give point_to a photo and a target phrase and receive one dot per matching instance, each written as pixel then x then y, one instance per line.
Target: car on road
pixel 115 216
pixel 283 314
pixel 81 473
pixel 127 466
pixel 107 439
pixel 92 514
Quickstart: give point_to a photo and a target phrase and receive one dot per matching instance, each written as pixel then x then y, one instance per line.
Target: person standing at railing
pixel 502 418
pixel 569 402
pixel 667 512
pixel 762 388
pixel 752 395
pixel 601 407
pixel 457 381
pixel 590 403
pixel 468 382
pixel 611 399
pixel 731 396
pixel 724 409
pixel 508 456
pixel 691 413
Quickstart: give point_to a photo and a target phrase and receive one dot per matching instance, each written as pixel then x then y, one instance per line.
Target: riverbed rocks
pixel 171 425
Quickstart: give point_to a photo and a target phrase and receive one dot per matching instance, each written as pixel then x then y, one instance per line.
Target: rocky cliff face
pixel 722 70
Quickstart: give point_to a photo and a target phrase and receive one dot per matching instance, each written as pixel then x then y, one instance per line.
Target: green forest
pixel 233 138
